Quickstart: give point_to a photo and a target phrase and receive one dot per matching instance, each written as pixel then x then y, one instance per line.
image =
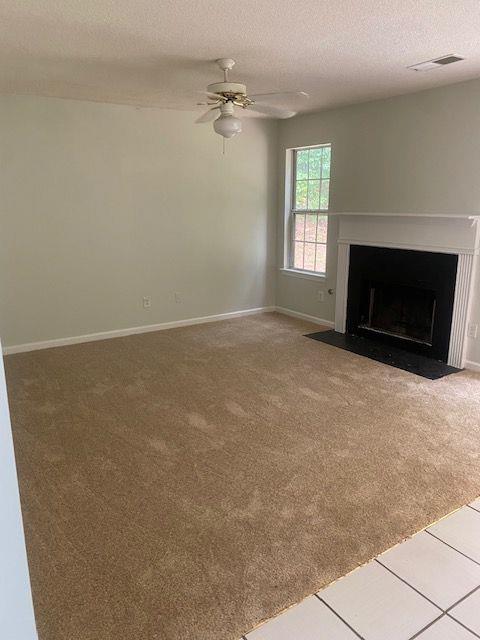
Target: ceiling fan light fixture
pixel 227 125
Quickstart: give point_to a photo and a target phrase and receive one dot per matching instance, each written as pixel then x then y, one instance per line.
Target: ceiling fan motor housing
pixel 228 89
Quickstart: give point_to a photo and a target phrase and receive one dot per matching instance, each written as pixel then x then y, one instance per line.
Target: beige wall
pixel 104 204
pixel 418 153
pixel 93 215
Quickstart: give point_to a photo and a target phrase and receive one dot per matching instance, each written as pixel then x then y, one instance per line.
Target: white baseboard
pixel 305 316
pixel 473 366
pixel 118 333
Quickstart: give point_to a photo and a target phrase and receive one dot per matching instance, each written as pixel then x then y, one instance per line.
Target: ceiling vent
pixel 434 64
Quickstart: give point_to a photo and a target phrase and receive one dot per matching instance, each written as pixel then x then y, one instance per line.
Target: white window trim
pixel 287 265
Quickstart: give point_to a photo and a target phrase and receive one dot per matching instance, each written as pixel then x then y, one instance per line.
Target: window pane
pixel 308 229
pixel 301 194
pixel 299 226
pixel 322 229
pixel 321 259
pixel 326 157
pixel 298 255
pixel 311 227
pixel 315 160
pixel 313 194
pixel 309 258
pixel 302 165
pixel 325 194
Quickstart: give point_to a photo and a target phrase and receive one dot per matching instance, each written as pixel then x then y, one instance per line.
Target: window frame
pixel 291 211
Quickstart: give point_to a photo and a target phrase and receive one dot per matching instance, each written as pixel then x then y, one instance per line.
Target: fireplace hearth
pixel 375 350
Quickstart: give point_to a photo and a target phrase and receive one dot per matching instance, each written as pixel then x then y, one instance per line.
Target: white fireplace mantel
pixel 440 233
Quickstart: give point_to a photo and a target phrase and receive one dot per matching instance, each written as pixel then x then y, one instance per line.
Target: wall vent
pixel 434 64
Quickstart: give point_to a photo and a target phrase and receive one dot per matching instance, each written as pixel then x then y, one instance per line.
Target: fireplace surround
pixel 406 279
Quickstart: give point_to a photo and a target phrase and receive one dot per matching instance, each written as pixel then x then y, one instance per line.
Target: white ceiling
pixel 161 52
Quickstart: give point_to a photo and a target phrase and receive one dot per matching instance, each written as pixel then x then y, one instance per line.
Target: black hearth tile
pixel 411 362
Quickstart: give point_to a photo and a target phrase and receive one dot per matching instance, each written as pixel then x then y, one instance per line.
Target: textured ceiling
pixel 161 52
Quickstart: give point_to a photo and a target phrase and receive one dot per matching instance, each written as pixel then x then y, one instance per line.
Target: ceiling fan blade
pixel 208 116
pixel 280 96
pixel 273 112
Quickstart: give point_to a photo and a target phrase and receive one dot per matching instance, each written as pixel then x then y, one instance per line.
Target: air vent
pixel 434 64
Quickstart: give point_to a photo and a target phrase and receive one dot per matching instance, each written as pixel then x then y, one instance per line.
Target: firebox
pixel 398 310
pixel 403 298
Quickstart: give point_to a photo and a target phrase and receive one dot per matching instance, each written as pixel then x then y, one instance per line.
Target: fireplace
pixel 402 298
pixel 406 280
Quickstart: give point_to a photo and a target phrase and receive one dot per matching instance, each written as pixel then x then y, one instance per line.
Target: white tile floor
pixel 427 588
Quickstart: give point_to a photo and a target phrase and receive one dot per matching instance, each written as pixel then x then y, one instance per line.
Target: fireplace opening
pixel 398 310
pixel 403 298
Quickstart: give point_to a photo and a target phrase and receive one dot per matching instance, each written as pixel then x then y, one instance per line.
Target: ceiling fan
pixel 225 96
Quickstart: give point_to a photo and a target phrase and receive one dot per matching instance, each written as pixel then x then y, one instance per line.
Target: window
pixel 309 199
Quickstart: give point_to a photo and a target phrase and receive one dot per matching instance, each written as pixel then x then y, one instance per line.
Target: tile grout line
pixel 462 599
pixel 474 508
pixel 462 625
pixel 444 612
pixel 409 585
pixel 430 624
pixel 339 617
pixel 449 545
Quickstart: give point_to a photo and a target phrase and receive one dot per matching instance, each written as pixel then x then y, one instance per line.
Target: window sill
pixel 306 275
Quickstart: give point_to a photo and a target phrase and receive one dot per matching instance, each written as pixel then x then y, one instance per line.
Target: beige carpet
pixel 186 484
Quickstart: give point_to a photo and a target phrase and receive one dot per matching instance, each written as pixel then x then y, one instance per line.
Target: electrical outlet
pixel 147 302
pixel 472 331
pixel 177 297
pixel 320 295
